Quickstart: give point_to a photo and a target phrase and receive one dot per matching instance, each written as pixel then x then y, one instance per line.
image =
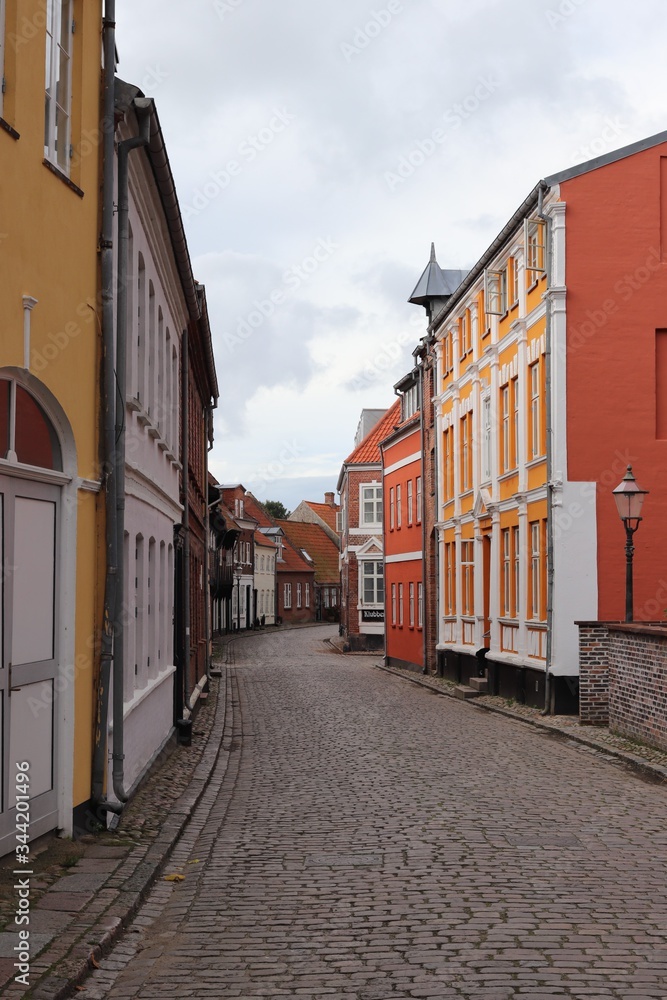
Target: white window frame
pixel 420 500
pixel 392 521
pixel 467 600
pixel 507 573
pixel 287 597
pixel 298 596
pixel 307 595
pixel 420 605
pixel 399 513
pixel 495 292
pixel 410 501
pixel 393 604
pixel 400 605
pixel 534 231
pixel 535 568
pixel 372 571
pixel 505 458
pixel 514 282
pixel 535 393
pixel 376 500
pixel 486 437
pixel 54 46
pixel 411 604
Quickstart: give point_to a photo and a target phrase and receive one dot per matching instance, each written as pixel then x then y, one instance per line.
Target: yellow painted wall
pixel 48 249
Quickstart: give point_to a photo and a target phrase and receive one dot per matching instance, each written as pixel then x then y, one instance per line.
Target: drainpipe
pixel 185 458
pixel 548 682
pixel 142 107
pixel 422 431
pixel 108 405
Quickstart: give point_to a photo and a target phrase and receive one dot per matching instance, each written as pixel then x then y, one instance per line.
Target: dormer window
pixel 410 402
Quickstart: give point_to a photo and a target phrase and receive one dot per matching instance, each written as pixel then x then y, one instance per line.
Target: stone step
pixel 479 684
pixel 464 692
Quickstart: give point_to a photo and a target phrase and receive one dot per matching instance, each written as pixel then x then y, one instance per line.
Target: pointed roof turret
pixel 435 284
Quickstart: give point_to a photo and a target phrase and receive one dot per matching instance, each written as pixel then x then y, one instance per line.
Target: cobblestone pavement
pixel 367 839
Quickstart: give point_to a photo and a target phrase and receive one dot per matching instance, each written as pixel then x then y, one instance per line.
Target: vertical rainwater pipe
pixel 185 459
pixel 142 107
pixel 108 395
pixel 548 680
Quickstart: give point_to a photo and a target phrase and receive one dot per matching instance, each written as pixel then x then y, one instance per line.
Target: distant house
pixel 318 548
pixel 362 549
pixel 265 579
pixel 325 514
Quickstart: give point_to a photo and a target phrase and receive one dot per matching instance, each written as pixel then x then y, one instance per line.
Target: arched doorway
pixel 31 625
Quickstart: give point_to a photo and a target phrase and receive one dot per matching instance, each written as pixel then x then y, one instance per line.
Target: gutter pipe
pixel 108 404
pixel 142 108
pixel 185 458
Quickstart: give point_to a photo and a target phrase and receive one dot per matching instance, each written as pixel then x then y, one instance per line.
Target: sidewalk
pixel 84 893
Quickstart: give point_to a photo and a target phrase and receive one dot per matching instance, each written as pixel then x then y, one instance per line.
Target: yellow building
pixel 51 511
pixel 492 469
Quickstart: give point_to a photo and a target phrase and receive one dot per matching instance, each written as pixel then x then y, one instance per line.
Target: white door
pixel 29 640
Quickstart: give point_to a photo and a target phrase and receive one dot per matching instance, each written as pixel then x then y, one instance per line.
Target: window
pixel 448 353
pixel 495 292
pixel 448 455
pixel 506 602
pixel 465 334
pixel 535 428
pixel 534 238
pixel 325 597
pixel 373 582
pixel 411 605
pixel 410 402
pixel 391 509
pixel 513 265
pixel 419 499
pixel 288 596
pixel 517 569
pixel 58 83
pixel 466 451
pixel 505 459
pixel 514 434
pixel 399 510
pixel 298 595
pixel 486 432
pixel 26 433
pixel 467 578
pixel 400 605
pixel 371 504
pixel 450 578
pixel 537 583
pixel 307 595
pixel 420 605
pixel 393 604
pixel 410 501
pixel 238 508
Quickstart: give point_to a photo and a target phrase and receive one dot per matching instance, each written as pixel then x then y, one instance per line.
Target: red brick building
pixel 361 558
pixel 313 542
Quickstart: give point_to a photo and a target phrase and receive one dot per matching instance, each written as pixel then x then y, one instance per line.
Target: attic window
pixel 306 555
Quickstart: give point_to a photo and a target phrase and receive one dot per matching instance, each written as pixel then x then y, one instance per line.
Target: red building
pixel 317 547
pixel 361 558
pixel 403 493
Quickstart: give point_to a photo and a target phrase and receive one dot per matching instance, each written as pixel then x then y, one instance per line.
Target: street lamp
pixel 629 499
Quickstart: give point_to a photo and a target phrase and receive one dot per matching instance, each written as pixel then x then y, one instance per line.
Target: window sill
pixel 508 475
pixel 538 460
pixel 6 127
pixel 63 177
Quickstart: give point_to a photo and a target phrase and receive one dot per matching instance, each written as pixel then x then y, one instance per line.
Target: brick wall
pixel 623 679
pixel 430 517
pixel 593 673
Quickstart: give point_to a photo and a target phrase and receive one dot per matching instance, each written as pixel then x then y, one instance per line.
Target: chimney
pixel 329 498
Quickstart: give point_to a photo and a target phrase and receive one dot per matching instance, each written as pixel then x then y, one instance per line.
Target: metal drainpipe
pixel 142 108
pixel 108 403
pixel 185 362
pixel 207 582
pixel 549 456
pixel 422 430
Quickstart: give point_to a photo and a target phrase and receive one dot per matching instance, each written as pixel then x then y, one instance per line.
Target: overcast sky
pixel 319 147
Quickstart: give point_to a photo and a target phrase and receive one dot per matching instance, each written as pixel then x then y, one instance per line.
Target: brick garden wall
pixel 623 679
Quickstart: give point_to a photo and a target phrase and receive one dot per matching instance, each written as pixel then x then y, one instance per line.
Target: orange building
pixel 403 531
pixel 551 377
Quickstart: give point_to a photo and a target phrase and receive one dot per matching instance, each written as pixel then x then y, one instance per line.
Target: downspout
pixel 185 458
pixel 142 108
pixel 108 403
pixel 207 581
pixel 548 694
pixel 422 431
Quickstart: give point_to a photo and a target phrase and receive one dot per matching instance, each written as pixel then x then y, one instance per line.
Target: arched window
pixel 26 433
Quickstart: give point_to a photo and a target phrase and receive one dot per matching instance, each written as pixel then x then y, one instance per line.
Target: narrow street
pixel 368 839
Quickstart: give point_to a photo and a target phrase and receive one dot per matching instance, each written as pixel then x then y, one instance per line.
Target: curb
pixel 136 876
pixel 633 761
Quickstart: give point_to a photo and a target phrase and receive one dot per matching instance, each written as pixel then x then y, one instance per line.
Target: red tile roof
pixel 293 561
pixel 326 512
pixel 261 539
pixel 368 451
pixel 321 549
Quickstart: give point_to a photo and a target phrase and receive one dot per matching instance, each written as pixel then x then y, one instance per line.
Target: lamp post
pixel 238 597
pixel 629 499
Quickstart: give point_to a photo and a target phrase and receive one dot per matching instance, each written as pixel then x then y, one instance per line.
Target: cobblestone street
pixel 366 838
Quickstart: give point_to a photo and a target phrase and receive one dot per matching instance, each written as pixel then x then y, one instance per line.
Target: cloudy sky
pixel 319 147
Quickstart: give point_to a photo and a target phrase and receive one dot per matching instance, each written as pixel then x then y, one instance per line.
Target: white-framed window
pixel 410 402
pixel 495 292
pixel 514 280
pixel 287 602
pixel 535 429
pixel 399 511
pixel 486 438
pixel 58 83
pixel 307 595
pixel 371 505
pixel 505 461
pixel 298 595
pixel 420 605
pixel 535 568
pixel 420 500
pixel 514 446
pixel 467 578
pixel 400 605
pixel 393 604
pixel 392 520
pixel 373 582
pixel 411 605
pixel 410 501
pixel 507 574
pixel 534 232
